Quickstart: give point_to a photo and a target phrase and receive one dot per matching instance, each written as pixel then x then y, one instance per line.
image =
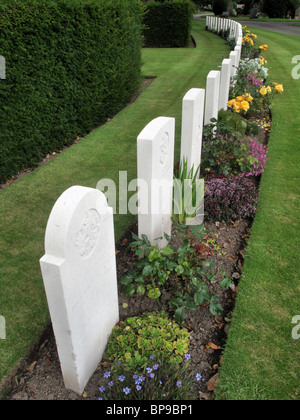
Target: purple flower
pixel 102 389
pixel 230 198
pixel 110 383
pixel 106 375
pixel 156 366
pixel 122 378
pixel 187 356
pixel 138 387
pixel 126 390
pixel 179 384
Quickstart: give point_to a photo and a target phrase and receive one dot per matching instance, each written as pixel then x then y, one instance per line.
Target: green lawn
pixel 262 360
pixel 25 206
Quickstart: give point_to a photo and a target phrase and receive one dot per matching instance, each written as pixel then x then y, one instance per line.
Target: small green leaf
pixel 180 315
pixel 141 289
pixel 225 283
pixel 216 309
pixel 154 255
pixel 154 293
pixel 147 271
pixel 129 290
pixel 168 251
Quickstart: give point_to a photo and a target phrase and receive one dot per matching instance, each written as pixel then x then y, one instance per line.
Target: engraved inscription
pixel 88 232
pixel 164 148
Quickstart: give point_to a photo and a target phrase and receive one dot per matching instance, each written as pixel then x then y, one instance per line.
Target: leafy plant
pixel 134 340
pixel 181 272
pixel 227 156
pixel 188 193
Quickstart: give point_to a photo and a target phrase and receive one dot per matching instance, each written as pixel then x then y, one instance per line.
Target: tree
pixel 219 6
pixel 280 9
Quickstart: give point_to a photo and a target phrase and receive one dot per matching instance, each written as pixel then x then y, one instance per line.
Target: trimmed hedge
pixel 70 65
pixel 168 24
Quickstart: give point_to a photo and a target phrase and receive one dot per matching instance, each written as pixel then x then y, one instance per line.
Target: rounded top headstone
pixel 74 224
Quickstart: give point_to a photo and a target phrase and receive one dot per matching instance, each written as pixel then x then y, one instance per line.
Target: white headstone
pixel 224 84
pixel 238 49
pixel 155 149
pixel 192 127
pixel 79 273
pixel 234 62
pixel 212 96
pixel 2 68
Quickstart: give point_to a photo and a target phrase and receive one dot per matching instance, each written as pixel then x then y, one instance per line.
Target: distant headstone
pixel 155 150
pixel 234 63
pixel 192 127
pixel 79 273
pixel 224 84
pixel 212 96
pixel 253 13
pixel 2 68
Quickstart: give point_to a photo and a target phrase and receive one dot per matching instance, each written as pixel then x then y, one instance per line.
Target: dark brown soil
pixel 42 379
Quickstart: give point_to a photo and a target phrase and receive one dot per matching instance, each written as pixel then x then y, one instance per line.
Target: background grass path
pixel 262 360
pixel 25 206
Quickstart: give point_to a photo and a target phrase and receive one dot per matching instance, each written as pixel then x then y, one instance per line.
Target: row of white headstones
pixel 79 265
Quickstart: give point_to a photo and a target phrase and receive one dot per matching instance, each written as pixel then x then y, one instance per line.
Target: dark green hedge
pixel 168 24
pixel 70 65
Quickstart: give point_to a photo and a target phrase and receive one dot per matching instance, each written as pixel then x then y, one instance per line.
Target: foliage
pixel 226 149
pixel 70 66
pixel 159 380
pixel 227 156
pixel 134 340
pixel 182 273
pixel 280 9
pixel 230 198
pixel 168 24
pixel 188 193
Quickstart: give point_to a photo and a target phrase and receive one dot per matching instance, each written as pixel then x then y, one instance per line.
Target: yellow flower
pixel 263 90
pixel 279 87
pixel 264 47
pixel 240 99
pixel 255 36
pixel 248 97
pixel 263 61
pixel 269 89
pixel 237 107
pixel 231 103
pixel 245 105
pixel 247 39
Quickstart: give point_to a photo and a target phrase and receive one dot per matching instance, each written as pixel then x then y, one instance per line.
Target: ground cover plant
pixel 26 204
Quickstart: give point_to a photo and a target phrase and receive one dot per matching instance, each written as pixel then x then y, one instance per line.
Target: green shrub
pixel 70 65
pixel 168 24
pixel 151 334
pixel 280 9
